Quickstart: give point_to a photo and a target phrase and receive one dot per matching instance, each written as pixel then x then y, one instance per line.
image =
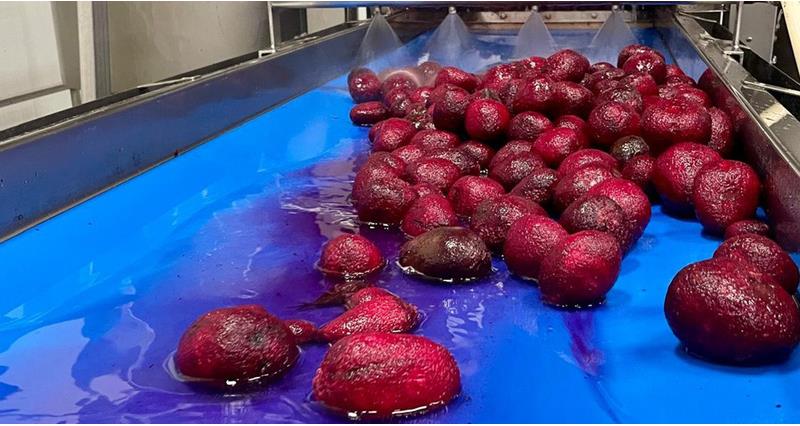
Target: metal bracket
pixel 736 50
pixel 764 86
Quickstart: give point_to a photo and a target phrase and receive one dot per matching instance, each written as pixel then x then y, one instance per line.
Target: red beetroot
pixel 409 153
pixel 350 256
pixel 384 201
pixel 528 126
pixel 556 144
pixel 572 122
pixel 608 84
pixel 668 122
pixel 387 314
pixel 428 212
pixel 421 95
pixel 580 270
pixel 486 119
pixel 683 93
pixel 468 191
pixel 570 98
pixel 485 94
pixel 648 62
pixel 764 255
pixel 534 95
pixel 747 226
pixel 679 80
pixel 423 189
pixel 241 343
pixel 393 133
pixel 447 253
pixel 566 65
pixel 368 113
pixel 611 121
pixel 398 102
pixel 633 201
pixel 642 83
pixel 511 149
pixel 509 92
pixel 674 173
pixel 633 49
pixel 399 79
pixel 674 71
pixel 433 140
pixel 600 66
pixel 302 330
pixel 457 77
pixel 366 294
pixel 639 170
pixel 364 86
pixel 493 218
pixel 379 375
pixel 599 213
pixel 725 192
pixel 530 239
pixel 537 186
pixel 512 170
pixel 628 147
pixel 481 152
pixel 594 80
pixel 438 172
pixel 428 71
pixel 531 67
pixel 726 313
pixel 721 139
pixel 396 164
pixel 368 174
pixel 575 185
pixel 585 157
pixel 464 161
pixel 448 112
pixel 624 95
pixel 498 76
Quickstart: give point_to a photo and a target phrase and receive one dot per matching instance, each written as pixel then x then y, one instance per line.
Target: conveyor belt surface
pixel 95 299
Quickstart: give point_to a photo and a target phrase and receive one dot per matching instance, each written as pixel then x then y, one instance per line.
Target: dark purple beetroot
pixel 534 95
pixel 511 149
pixel 448 112
pixel 708 81
pixel 302 330
pixel 447 253
pixel 393 133
pixel 465 163
pixel 647 62
pixel 594 80
pixel 528 126
pixel 366 294
pixel 572 122
pixel 747 226
pixel 382 375
pixel 492 218
pixel 608 84
pixel 400 79
pixel 628 147
pixel 384 201
pixel 639 170
pixel 467 192
pixel 428 71
pixel 674 71
pixel 721 139
pixel 421 95
pixel 556 144
pixel 481 152
pixel 611 121
pixel 570 98
pixel 684 93
pixel 396 164
pixel 409 153
pixel 575 185
pixel 511 171
pixel 531 67
pixel 423 189
pixel 600 66
pixel 368 113
pixel 598 213
pixel 498 76
pixel 765 255
pixel 457 77
pixel 642 83
pixel 438 172
pixel 634 49
pixel 364 86
pixel 369 174
pixel 725 192
pixel 486 94
pixel 668 122
pixel 398 102
pixel 486 120
pixel 537 186
pixel 386 314
pixel 420 116
pixel 566 65
pixel 509 92
pixel 580 270
pixel 585 157
pixel 239 344
pixel 624 95
pixel 350 256
pixel 679 80
pixel 434 140
pixel 633 201
pixel 428 212
pixel 530 239
pixel 726 313
pixel 674 173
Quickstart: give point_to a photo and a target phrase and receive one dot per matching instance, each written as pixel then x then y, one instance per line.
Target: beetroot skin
pixel 447 253
pixel 448 112
pixel 486 119
pixel 493 218
pixel 628 147
pixel 675 171
pixel 747 226
pixel 574 186
pixel 668 122
pixel 583 158
pixel 572 122
pixel 237 343
pixel 384 201
pixel 469 191
pixel 302 330
pixel 599 213
pixel 433 140
pixel 570 98
pixel 721 137
pixel 530 239
pixel 580 270
pixel 392 134
pixel 512 170
pixel 533 95
pixel 481 152
pixel 633 201
pixel 639 170
pixel 537 186
pixel 528 126
pixel 387 314
pixel 431 211
pixel 566 65
pixel 556 144
pixel 380 375
pixel 765 255
pixel 725 192
pixel 611 121
pixel 368 113
pixel 726 313
pixel 438 172
pixel 350 256
pixel 364 85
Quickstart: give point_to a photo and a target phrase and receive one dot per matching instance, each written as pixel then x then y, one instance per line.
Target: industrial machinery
pixel 126 218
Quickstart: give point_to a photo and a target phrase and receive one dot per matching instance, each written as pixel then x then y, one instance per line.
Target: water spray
pixel 614 35
pixel 534 38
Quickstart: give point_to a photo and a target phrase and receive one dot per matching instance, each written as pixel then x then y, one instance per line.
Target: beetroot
pixel 533 95
pixel 725 192
pixel 611 121
pixel 398 102
pixel 423 189
pixel 409 153
pixel 566 65
pixel 369 174
pixel 368 113
pixel 384 201
pixel 379 375
pixel 350 256
pixel 679 80
pixel 486 119
pixel 481 152
pixel 599 213
pixel 396 164
pixel 570 98
pixel 624 95
pixel 433 140
pixel 648 62
pixel 684 93
pixel 448 112
pixel 634 49
pixel 511 171
pixel 674 173
pixel 583 158
pixel 594 80
pixel 537 186
pixel 457 77
pixel 572 122
pixel 531 67
pixel 575 185
pixel 242 343
pixel 726 313
pixel 438 172
pixel 431 211
pixel 528 126
pixel 639 170
pixel 580 270
pixel 668 122
pixel 364 86
pixel 492 218
pixel 366 294
pixel 421 95
pixel 763 254
pixel 428 71
pixel 498 76
pixel 674 71
pixel 387 314
pixel 393 133
pixel 511 149
pixel 530 239
pixel 556 144
pixel 747 226
pixel 465 163
pixel 302 330
pixel 600 66
pixel 628 147
pixel 468 191
pixel 399 79
pixel 606 85
pixel 633 201
pixel 641 82
pixel 721 138
pixel 447 253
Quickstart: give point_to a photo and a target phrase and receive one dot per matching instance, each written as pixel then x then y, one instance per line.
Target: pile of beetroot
pixel 551 163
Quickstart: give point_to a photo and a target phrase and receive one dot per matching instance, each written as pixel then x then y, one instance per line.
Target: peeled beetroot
pixel 639 170
pixel 438 172
pixel 599 213
pixel 566 65
pixel 533 95
pixel 572 122
pixel 492 218
pixel 570 98
pixel 469 191
pixel 302 330
pixel 364 85
pixel 634 49
pixel 456 77
pixel 674 173
pixel 611 121
pixel 628 147
pixel 648 62
pixel 447 253
pixel 765 255
pixel 368 113
pixel 388 314
pixel 585 157
pixel 747 226
pixel 448 112
pixel 575 185
pixel 481 152
pixel 528 125
pixel 633 201
pixel 465 162
pixel 384 201
pixel 530 239
pixel 512 170
pixel 668 122
pixel 431 211
pixel 725 192
pixel 537 186
pixel 486 119
pixel 393 133
pixel 432 140
pixel 721 137
pixel 511 149
pixel 350 256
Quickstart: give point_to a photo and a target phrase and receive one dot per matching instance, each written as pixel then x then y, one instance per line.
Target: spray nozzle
pixel 451 10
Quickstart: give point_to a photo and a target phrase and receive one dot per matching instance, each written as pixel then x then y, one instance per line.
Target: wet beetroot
pixel 448 112
pixel 600 66
pixel 384 201
pixel 674 71
pixel 511 149
pixel 533 95
pixel 763 254
pixel 679 80
pixel 634 49
pixel 580 270
pixel 566 65
pixel 398 102
pixel 428 71
pixel 531 67
pixel 392 134
pixel 465 163
pixel 429 212
pixel 575 185
pixel 686 94
pixel 438 172
pixel 585 157
pixel 350 256
pixel 570 98
pixel 721 138
pixel 641 82
pixel 611 121
pixel 368 113
pixel 530 239
pixel 594 80
pixel 511 171
pixel 380 375
pixel 399 79
pixel 528 126
pixel 747 226
pixel 537 186
pixel 572 122
pixel 493 218
pixel 624 95
pixel 556 144
pixel 648 62
pixel 433 140
pixel 481 152
pixel 725 192
pixel 457 77
pixel 386 314
pixel 447 253
pixel 674 173
pixel 598 213
pixel 468 191
pixel 628 147
pixel 239 344
pixel 423 189
pixel 421 95
pixel 486 119
pixel 633 201
pixel 364 85
pixel 302 330
pixel 639 170
pixel 668 122
pixel 409 153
